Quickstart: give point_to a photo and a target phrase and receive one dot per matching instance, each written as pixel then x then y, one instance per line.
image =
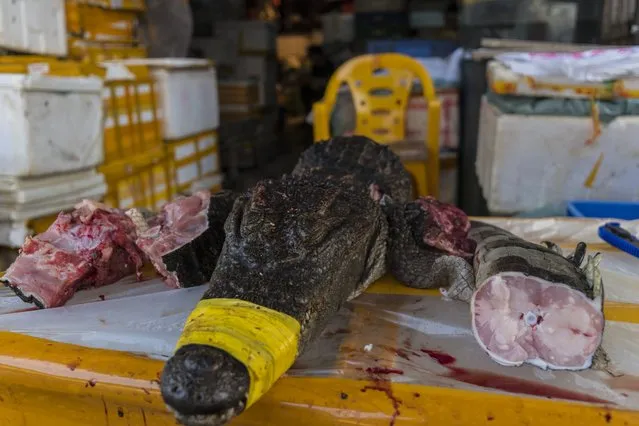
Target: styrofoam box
pixel 34 26
pixel 249 36
pixel 258 36
pixel 338 27
pixel 218 49
pixel 210 183
pixel 528 162
pixel 264 69
pixel 49 124
pixel 188 95
pixel 379 5
pixel 189 173
pixel 41 196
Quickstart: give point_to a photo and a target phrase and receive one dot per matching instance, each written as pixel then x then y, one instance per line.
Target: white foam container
pixel 49 124
pixel 530 162
pixel 264 70
pixel 188 95
pixel 249 37
pixel 33 26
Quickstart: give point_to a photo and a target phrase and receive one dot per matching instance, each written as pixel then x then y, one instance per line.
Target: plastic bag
pixel 597 65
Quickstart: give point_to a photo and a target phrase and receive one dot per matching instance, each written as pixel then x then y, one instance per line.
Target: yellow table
pixel 48 383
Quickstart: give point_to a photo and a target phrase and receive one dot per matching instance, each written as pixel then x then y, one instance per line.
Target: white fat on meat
pixel 523 319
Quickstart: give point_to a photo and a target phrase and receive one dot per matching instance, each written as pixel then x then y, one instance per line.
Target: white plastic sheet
pixel 597 65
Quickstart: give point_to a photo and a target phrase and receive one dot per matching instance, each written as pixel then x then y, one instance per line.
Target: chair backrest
pixel 381 87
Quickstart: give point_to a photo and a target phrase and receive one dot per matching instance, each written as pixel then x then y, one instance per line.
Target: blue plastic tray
pixel 604 209
pixel 414 48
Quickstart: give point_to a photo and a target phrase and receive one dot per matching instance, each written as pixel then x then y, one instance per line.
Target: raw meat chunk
pixel 90 247
pixel 185 239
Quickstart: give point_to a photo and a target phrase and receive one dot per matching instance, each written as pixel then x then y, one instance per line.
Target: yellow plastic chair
pixel 381 87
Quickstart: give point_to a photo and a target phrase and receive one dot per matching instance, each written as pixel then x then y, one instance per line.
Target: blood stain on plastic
pixel 402 354
pixel 399 352
pixel 331 333
pixel 506 383
pixel 441 357
pixel 378 375
pixel 517 385
pixel 383 370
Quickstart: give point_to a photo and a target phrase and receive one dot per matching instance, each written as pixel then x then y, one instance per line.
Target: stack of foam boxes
pixel 190 117
pixel 136 164
pixel 242 117
pixel 255 64
pixel 51 121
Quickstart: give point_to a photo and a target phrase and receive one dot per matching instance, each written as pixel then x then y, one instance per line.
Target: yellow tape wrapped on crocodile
pixel 264 340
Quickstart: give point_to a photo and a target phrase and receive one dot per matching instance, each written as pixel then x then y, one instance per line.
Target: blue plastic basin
pixel 414 48
pixel 604 209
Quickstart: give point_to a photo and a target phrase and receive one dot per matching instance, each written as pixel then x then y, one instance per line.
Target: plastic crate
pixel 247 142
pixel 33 26
pixel 194 159
pixel 99 24
pixel 187 94
pixel 381 25
pixel 132 122
pixel 414 48
pixel 142 181
pixel 93 52
pixel 31 64
pixel 604 209
pixel 379 6
pixel 238 92
pixel 138 5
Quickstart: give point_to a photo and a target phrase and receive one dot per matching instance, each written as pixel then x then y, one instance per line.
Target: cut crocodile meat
pixel 185 239
pixel 372 163
pixel 441 226
pixel 90 247
pixel 533 305
pixel 300 247
pixel 428 246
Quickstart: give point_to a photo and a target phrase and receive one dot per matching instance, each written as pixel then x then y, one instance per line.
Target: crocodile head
pixel 299 246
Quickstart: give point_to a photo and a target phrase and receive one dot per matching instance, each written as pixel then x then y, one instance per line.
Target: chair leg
pixel 422 184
